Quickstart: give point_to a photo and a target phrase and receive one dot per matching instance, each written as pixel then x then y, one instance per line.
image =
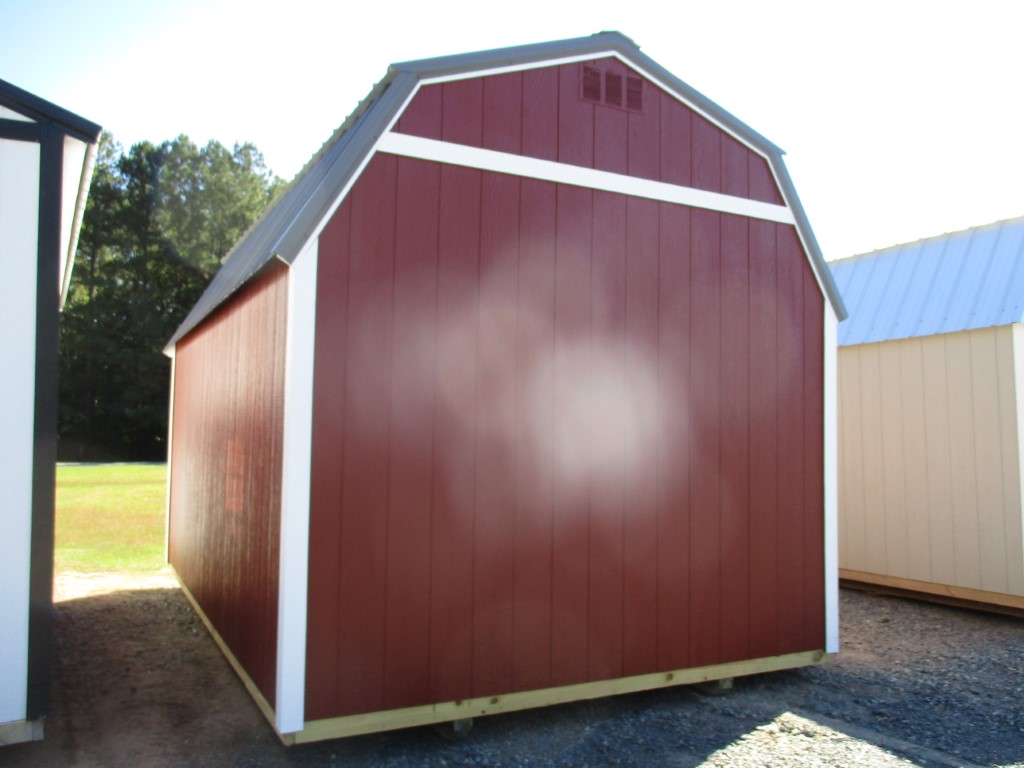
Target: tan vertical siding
pixel 930 489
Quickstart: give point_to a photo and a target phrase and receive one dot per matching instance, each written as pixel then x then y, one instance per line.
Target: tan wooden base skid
pixel 373 722
pixel 19 731
pixel 947 594
pixel 443 712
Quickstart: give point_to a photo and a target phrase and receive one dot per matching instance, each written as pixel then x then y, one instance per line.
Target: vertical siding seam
pixel 974 449
pixel 336 687
pixel 387 429
pixel 690 452
pixel 776 434
pixel 625 361
pixel 1001 408
pixel 657 447
pixel 880 388
pixel 953 467
pixel 554 377
pixel 926 441
pixel 801 466
pixel 433 427
pixel 515 419
pixel 947 445
pixel 552 436
pixel 722 404
pixel 862 416
pixel 749 469
pixel 904 464
pixel 476 429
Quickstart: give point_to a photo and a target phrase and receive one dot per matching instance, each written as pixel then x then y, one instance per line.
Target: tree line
pixel 158 220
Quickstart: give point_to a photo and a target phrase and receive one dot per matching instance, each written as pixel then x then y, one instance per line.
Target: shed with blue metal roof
pixel 931 397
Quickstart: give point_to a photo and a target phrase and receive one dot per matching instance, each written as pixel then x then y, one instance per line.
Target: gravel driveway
pixel 138 682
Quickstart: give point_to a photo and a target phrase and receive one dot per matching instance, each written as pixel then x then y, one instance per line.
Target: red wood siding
pixel 560 435
pixel 540 113
pixel 226 470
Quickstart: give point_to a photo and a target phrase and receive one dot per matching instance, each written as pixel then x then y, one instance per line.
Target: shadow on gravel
pixel 138 682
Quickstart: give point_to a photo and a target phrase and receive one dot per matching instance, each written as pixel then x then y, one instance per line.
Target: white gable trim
pixel 563 173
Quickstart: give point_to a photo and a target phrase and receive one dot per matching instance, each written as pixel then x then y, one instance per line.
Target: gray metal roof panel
pixel 292 220
pixel 954 282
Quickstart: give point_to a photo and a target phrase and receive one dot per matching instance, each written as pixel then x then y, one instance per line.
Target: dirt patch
pixel 137 681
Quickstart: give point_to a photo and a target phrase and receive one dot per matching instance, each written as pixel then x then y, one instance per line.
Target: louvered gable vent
pixel 603 87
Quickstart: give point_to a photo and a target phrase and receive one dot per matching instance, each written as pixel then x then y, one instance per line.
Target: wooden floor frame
pixel 443 712
pixel 947 594
pixel 20 731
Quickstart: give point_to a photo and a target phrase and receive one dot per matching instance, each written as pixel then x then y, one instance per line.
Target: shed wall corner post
pixel 19 254
pixel 295 492
pixel 831 428
pixel 170 452
pixel 1018 428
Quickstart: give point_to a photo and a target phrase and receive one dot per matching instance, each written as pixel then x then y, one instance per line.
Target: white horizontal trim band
pixel 563 173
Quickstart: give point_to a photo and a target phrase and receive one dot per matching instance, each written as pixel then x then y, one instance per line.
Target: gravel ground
pixel 138 682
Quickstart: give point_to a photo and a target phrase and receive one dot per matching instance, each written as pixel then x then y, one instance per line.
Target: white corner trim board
pixel 563 173
pixel 19 257
pixel 295 490
pixel 831 511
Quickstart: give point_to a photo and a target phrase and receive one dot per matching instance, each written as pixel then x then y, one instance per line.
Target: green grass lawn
pixel 110 517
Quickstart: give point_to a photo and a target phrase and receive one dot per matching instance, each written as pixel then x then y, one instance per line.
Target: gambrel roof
pixel 306 205
pixel 953 282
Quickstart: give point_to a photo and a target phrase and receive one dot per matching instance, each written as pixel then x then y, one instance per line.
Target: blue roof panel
pixel 953 282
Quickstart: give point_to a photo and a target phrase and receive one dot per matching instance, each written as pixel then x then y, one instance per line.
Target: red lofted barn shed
pixel 522 392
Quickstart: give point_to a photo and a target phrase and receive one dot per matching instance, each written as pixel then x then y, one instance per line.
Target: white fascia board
pixel 831 480
pixel 79 162
pixel 295 492
pixel 563 173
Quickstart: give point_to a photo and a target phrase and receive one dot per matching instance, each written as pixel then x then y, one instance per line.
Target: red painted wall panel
pixel 764 432
pixel 226 469
pixel 328 446
pixel 363 555
pixel 607 494
pixel 641 535
pixel 736 493
pixel 541 113
pixel 410 472
pixel 706 438
pixel 455 414
pixel 674 423
pixel 534 488
pixel 557 441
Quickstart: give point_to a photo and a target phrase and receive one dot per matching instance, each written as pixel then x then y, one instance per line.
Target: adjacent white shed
pixel 931 397
pixel 46 157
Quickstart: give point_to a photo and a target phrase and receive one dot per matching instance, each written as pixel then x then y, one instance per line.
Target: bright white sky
pixel 900 119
